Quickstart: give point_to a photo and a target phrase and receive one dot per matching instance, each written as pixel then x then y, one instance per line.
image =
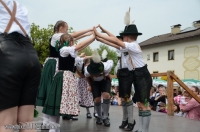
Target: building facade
pixel 178 51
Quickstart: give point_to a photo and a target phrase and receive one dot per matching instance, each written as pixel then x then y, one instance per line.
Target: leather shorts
pixel 20 71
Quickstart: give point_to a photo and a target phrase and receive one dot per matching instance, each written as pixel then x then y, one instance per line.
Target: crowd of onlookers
pixel 184 104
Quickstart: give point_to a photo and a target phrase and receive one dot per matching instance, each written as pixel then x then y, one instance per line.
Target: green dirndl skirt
pixel 52 103
pixel 46 81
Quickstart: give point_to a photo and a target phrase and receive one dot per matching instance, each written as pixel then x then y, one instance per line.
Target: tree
pixel 88 51
pixel 40 38
pixel 112 55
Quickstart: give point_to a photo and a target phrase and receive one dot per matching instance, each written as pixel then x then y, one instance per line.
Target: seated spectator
pixel 178 98
pixel 113 91
pixel 116 100
pixel 162 107
pixel 183 101
pixel 176 109
pixel 154 94
pixel 161 98
pixel 193 107
pixel 175 92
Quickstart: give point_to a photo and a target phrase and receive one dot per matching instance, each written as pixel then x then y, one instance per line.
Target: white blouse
pixel 107 68
pixel 21 16
pixel 135 54
pixel 55 37
pixel 65 51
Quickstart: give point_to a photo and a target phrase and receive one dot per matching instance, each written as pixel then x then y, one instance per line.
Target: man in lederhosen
pixel 19 66
pixel 97 74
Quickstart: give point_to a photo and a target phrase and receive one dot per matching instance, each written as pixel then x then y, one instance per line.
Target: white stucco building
pixel 178 51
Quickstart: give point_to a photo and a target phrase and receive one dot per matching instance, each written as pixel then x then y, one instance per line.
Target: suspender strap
pixel 130 59
pixel 120 62
pixel 104 76
pixel 12 18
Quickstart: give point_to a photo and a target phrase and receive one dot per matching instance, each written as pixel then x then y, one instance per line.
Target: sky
pixel 152 17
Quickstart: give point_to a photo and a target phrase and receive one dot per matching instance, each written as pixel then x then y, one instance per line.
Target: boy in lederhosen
pixel 97 74
pixel 141 76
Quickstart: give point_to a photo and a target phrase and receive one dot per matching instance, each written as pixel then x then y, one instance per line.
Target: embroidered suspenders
pixel 12 18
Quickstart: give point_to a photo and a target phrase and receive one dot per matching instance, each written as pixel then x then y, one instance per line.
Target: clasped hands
pixel 95 33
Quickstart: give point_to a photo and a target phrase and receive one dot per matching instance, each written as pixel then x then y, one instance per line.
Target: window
pixel 148 57
pixel 155 56
pixel 155 72
pixel 170 54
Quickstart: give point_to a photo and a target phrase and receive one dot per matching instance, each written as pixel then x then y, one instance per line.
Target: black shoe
pixel 106 122
pixel 99 121
pixel 137 131
pixel 89 115
pixel 130 126
pixel 74 118
pixel 95 115
pixel 66 117
pixel 124 124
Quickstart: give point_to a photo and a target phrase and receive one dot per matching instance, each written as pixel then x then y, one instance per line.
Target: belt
pixel 140 68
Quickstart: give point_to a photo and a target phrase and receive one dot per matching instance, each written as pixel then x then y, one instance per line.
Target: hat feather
pixel 127 17
pixel 104 54
pixel 133 22
pixel 96 57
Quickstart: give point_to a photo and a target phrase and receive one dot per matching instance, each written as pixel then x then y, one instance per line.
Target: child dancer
pixel 86 98
pixel 97 74
pixel 63 96
pixel 141 76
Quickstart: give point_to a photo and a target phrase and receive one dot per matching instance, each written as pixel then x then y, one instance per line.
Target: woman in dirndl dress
pixel 49 70
pixel 85 96
pixel 63 96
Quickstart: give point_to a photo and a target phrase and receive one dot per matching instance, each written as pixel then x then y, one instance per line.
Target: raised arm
pixel 82 36
pixel 79 33
pixel 106 31
pixel 109 38
pixel 107 42
pixel 85 43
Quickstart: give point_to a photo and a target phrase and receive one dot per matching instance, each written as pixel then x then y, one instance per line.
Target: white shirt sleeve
pixel 108 66
pixel 79 63
pixel 123 50
pixel 131 47
pixel 65 51
pixel 86 73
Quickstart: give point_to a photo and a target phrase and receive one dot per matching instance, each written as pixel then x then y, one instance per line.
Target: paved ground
pixel 159 122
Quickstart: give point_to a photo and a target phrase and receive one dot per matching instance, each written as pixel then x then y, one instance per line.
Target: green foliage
pixel 88 51
pixel 40 38
pixel 112 55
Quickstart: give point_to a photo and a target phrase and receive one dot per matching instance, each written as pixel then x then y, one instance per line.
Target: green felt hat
pixel 130 30
pixel 119 37
pixel 95 68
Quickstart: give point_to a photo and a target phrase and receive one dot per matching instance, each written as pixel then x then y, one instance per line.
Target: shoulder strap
pixel 12 18
pixel 104 75
pixel 120 62
pixel 130 59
